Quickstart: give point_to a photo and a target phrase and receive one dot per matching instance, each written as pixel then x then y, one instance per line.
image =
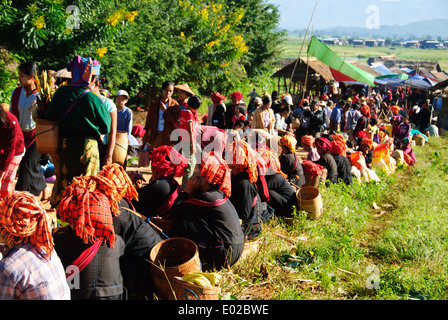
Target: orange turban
pixel 308 140
pixel 270 162
pixel 217 172
pixel 338 147
pixel 290 142
pixel 121 180
pixel 244 157
pixel 24 219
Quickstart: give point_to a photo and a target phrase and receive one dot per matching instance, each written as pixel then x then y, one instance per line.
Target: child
pixel 237 130
pixel 124 114
pixel 239 113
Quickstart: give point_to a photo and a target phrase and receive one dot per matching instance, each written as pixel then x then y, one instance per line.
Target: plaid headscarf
pixel 290 142
pixel 121 180
pixel 338 147
pixel 323 144
pixel 368 143
pixel 89 213
pixel 313 169
pixel 270 162
pixel 217 172
pixel 217 97
pixel 83 70
pixel 308 140
pixel 24 219
pixel 168 161
pixel 244 157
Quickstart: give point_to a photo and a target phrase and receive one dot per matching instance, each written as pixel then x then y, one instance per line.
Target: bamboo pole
pixel 303 42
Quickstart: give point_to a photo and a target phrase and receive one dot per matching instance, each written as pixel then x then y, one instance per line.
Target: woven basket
pixel 47 136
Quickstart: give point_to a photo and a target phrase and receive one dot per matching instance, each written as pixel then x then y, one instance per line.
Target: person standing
pixel 12 149
pixel 264 118
pixel 217 111
pixel 157 131
pixel 318 118
pixel 85 117
pixel 24 107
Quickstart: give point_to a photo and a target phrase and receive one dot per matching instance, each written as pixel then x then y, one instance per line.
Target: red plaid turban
pixel 89 214
pixel 217 172
pixel 323 144
pixel 270 162
pixel 23 219
pixel 123 183
pixel 308 140
pixel 311 168
pixel 168 161
pixel 244 157
pixel 338 147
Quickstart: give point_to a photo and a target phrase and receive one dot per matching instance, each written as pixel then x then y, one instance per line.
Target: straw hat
pixel 5 106
pixel 184 87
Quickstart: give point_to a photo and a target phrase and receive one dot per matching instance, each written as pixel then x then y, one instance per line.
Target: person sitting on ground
pixel 282 196
pixel 326 160
pixel 366 146
pixel 290 162
pixel 308 145
pixel 344 167
pixel 242 162
pixel 157 197
pixel 207 216
pixel 408 153
pixel 31 269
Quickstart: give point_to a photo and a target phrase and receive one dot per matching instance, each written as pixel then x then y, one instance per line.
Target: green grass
pixel 351 247
pixel 292 45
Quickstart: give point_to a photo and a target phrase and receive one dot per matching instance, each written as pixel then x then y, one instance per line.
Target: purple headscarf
pixel 83 69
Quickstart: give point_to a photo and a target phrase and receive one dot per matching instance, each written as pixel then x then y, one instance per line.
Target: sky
pixel 296 14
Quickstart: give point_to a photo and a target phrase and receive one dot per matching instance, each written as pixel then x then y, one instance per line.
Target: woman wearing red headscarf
pixel 237 98
pixel 326 160
pixel 338 150
pixel 157 198
pixel 217 111
pixel 207 216
pixel 363 121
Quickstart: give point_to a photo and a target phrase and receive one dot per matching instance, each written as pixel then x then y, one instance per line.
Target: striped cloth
pixel 217 172
pixel 244 158
pixel 10 174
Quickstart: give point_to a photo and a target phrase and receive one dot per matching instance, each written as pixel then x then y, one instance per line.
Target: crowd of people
pixel 214 180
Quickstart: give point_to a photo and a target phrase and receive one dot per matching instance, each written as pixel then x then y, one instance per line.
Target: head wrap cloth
pixel 168 161
pixel 244 157
pixel 323 144
pixel 23 219
pixel 90 202
pixel 83 70
pixel 217 172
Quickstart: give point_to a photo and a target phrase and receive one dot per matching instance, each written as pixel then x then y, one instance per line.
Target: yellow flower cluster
pixel 224 64
pixel 211 44
pixel 239 43
pixel 119 15
pixel 39 23
pixel 101 52
pixel 130 16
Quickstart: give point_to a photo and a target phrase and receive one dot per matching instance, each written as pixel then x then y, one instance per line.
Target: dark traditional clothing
pixel 291 166
pixel 327 161
pixel 282 196
pixel 344 168
pixel 211 221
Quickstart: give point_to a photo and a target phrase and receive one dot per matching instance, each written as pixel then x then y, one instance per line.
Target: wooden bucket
pixel 121 148
pixel 419 140
pixel 47 136
pixel 174 257
pixel 310 200
pixel 189 291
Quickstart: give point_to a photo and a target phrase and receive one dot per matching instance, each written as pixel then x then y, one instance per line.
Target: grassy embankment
pixel 383 241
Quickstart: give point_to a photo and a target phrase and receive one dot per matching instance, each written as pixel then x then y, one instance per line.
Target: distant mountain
pixel 426 30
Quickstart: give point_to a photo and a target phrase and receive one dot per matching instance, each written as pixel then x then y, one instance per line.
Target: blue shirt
pixel 336 114
pixel 124 120
pixel 161 122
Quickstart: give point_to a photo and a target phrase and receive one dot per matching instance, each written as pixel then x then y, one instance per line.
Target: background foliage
pixel 212 45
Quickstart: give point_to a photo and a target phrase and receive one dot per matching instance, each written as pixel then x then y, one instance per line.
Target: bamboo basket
pixel 310 200
pixel 47 136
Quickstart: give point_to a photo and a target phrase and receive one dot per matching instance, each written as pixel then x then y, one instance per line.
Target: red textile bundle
pixel 312 168
pixel 323 144
pixel 168 161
